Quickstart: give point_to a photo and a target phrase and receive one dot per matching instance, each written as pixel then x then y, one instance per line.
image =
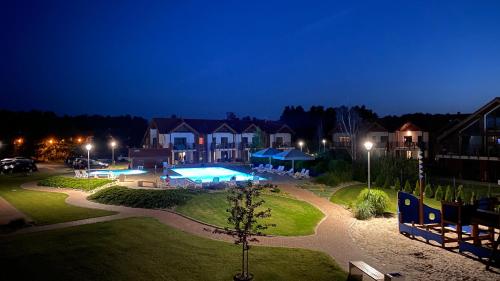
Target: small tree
pixel 460 193
pixel 473 198
pixel 387 183
pixel 448 197
pixel 244 202
pixel 428 191
pixel 439 193
pixel 408 188
pixel 397 185
pixel 416 191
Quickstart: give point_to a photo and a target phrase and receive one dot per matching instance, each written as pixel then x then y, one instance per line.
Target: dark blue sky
pixel 202 59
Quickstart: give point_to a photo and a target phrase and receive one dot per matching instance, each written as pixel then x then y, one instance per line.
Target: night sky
pixel 202 59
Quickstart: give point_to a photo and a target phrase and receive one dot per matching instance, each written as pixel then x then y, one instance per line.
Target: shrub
pixel 428 191
pixel 143 198
pixel 378 199
pixel 397 184
pixel 380 180
pixel 448 197
pixel 416 191
pixel 473 198
pixel 439 193
pixel 364 210
pixel 460 193
pixel 68 182
pixel 387 183
pixel 334 178
pixel 408 188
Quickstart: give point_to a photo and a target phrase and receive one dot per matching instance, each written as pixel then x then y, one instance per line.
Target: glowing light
pixel 113 144
pixel 88 146
pixel 324 141
pixel 79 140
pixel 368 145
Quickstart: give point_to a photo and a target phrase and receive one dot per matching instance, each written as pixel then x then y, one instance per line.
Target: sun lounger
pixel 269 169
pixel 278 170
pixel 84 174
pixel 300 175
pixel 289 172
pixel 78 174
pixel 261 166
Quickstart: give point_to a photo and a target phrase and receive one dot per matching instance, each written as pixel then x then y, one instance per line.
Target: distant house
pixel 403 141
pixel 208 141
pixel 471 148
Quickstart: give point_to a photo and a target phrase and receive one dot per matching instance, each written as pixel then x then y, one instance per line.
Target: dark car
pixel 81 163
pixel 17 165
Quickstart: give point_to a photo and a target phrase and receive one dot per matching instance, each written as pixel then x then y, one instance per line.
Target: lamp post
pixel 368 147
pixel 88 146
pixel 113 144
pixel 301 144
pixel 324 145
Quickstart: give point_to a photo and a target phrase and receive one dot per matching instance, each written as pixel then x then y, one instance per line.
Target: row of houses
pixel 177 140
pixel 470 148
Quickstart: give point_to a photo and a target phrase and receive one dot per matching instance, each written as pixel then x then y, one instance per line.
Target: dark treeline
pixel 318 122
pixel 36 126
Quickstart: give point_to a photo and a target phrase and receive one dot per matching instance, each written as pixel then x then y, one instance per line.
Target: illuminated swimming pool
pixel 208 174
pixel 116 173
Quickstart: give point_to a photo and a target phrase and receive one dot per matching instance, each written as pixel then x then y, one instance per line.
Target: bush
pixel 448 197
pixel 460 193
pixel 439 193
pixel 142 198
pixel 334 178
pixel 364 210
pixel 380 180
pixel 387 183
pixel 416 191
pixel 77 183
pixel 473 198
pixel 378 199
pixel 397 185
pixel 408 188
pixel 428 191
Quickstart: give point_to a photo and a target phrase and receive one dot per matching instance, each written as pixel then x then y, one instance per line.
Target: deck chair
pixel 260 167
pixel 78 174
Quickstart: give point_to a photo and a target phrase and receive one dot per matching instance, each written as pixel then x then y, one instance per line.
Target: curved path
pixel 331 235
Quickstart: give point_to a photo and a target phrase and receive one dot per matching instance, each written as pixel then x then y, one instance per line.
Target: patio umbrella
pixel 293 155
pixel 266 153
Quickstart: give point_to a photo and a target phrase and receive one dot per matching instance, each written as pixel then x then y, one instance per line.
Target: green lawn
pixel 347 196
pixel 71 182
pixel 292 217
pixel 144 249
pixel 321 190
pixel 42 207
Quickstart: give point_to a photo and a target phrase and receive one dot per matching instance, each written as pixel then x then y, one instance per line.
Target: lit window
pixel 201 140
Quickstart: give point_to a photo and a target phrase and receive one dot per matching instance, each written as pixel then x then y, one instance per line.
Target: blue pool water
pixel 118 172
pixel 209 173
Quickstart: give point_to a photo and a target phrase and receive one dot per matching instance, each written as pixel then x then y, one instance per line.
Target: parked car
pixel 17 165
pixel 81 163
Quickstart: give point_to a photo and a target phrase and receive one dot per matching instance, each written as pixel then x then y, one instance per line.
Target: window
pixel 493 120
pixel 384 139
pixel 279 140
pixel 244 140
pixel 224 140
pixel 180 143
pixel 344 139
pixel 408 139
pixel 408 154
pixel 201 141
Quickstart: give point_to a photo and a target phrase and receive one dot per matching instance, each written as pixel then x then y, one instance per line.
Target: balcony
pixel 407 145
pixel 184 146
pixel 222 145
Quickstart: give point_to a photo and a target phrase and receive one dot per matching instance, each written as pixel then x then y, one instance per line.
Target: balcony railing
pixel 184 146
pixel 407 145
pixel 229 145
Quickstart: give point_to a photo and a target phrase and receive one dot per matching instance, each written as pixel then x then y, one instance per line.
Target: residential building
pixel 209 141
pixel 404 141
pixel 471 148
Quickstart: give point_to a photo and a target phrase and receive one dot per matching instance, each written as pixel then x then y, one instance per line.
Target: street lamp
pixel 368 146
pixel 324 145
pixel 88 146
pixel 113 144
pixel 301 144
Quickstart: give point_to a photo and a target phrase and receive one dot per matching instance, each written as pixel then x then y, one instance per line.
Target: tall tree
pixel 348 123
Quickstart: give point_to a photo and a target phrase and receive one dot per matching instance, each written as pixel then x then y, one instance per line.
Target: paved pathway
pixel 331 235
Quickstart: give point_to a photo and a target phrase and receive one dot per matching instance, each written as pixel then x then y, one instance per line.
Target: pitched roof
pixel 207 126
pixel 484 109
pixel 409 126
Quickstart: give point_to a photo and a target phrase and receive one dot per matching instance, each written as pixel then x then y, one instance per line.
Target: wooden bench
pixel 359 269
pixel 142 182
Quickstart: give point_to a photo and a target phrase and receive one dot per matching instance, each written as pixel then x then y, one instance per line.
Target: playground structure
pixel 468 228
